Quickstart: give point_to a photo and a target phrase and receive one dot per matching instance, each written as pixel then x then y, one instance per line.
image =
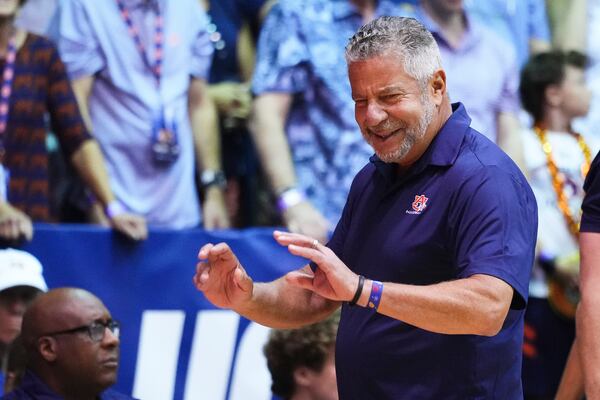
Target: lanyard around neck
pixel 135 35
pixel 7 79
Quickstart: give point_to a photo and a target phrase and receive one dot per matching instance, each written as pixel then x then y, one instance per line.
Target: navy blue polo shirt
pixel 590 219
pixel 463 208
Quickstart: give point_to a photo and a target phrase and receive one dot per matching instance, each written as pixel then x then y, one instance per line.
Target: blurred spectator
pixel 20 281
pixel 554 92
pixel 302 361
pixel 583 368
pixel 16 365
pixel 585 16
pixel 482 71
pixel 234 29
pixel 35 84
pixel 570 23
pixel 303 124
pixel 139 69
pixel 72 348
pixel 523 23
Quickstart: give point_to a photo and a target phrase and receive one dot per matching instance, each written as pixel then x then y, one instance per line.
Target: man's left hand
pixel 332 280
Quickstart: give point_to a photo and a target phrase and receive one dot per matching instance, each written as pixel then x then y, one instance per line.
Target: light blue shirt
pixel 93 40
pixel 301 52
pixel 36 15
pixel 482 72
pixel 518 21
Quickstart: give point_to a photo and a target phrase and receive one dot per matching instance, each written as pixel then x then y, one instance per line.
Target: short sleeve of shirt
pixel 77 42
pixel 202 47
pixel 493 225
pixel 590 220
pixel 538 20
pixel 281 63
pixel 65 117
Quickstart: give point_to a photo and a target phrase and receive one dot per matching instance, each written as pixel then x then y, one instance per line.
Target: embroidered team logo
pixel 419 204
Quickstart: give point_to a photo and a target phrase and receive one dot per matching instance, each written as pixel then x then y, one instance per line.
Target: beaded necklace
pixel 558 182
pixel 6 89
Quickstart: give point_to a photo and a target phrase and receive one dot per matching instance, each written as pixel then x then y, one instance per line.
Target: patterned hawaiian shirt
pixel 306 59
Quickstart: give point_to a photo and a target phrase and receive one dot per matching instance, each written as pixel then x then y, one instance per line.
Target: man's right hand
pixel 131 225
pixel 14 224
pixel 303 218
pixel 221 277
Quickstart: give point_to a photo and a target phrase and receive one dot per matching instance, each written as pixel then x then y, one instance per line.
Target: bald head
pixel 57 310
pixel 71 342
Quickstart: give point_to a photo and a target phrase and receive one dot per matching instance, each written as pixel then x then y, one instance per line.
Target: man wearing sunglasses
pixel 72 346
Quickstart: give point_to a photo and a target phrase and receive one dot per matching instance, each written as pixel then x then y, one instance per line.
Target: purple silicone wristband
pixel 289 198
pixel 114 208
pixel 375 297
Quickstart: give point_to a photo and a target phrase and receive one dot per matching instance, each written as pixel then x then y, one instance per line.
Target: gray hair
pixel 404 37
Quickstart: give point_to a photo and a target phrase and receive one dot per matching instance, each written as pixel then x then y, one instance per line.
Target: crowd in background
pixel 221 114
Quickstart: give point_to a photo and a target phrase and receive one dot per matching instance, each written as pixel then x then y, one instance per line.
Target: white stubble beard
pixel 411 135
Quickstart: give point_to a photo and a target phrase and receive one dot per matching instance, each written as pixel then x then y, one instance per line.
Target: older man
pixel 72 346
pixel 432 256
pixel 302 121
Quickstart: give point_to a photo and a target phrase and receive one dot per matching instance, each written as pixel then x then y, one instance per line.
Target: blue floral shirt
pixel 301 52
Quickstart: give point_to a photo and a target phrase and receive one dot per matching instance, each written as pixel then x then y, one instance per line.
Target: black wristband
pixel 211 177
pixel 361 283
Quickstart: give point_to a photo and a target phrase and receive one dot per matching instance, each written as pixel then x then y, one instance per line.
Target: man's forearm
pixel 205 127
pixel 268 131
pixel 571 383
pixel 82 88
pixel 89 163
pixel 588 326
pixel 477 305
pixel 569 22
pixel 279 305
pixel 509 138
pixel 588 318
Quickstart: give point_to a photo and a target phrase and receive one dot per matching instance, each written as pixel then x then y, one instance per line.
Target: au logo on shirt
pixel 419 204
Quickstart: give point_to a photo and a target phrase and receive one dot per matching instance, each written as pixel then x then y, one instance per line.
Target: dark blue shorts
pixel 547 342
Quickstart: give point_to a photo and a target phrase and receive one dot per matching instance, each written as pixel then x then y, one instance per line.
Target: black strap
pixel 359 289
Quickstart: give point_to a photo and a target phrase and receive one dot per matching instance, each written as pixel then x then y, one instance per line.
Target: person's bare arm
pixel 569 24
pixel 588 317
pixel 82 88
pixel 205 128
pixel 509 138
pixel 270 111
pixel 278 304
pixel 14 224
pixel 571 383
pixel 90 165
pixel 476 305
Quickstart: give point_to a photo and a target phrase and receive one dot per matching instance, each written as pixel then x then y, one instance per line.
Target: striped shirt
pixel 40 88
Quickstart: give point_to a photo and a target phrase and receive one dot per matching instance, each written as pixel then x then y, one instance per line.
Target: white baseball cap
pixel 19 268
